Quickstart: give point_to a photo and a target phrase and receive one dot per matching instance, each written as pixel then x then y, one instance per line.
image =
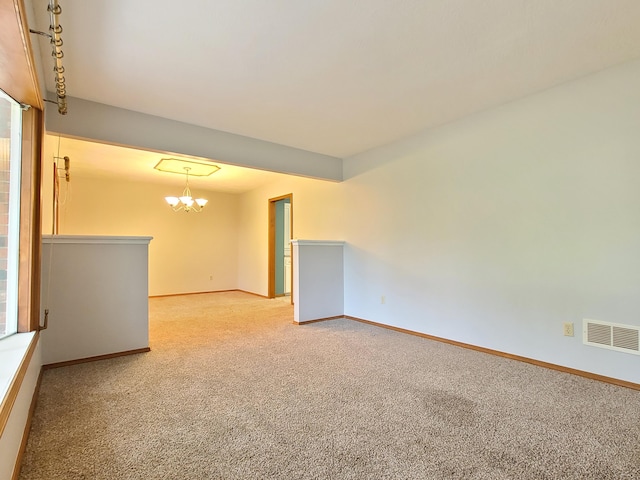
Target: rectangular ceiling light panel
pixel 196 169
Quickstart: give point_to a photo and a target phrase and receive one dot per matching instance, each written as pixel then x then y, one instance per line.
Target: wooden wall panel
pixel 30 222
pixel 17 68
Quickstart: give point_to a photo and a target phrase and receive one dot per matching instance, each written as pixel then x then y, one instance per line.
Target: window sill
pixel 15 354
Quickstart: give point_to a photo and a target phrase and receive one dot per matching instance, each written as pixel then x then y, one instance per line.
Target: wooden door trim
pixel 272 242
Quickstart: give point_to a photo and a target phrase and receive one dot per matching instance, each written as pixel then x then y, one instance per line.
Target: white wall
pixel 493 230
pixel 95 289
pixel 496 229
pixel 318 213
pixel 118 126
pixel 318 271
pixel 227 241
pixel 187 249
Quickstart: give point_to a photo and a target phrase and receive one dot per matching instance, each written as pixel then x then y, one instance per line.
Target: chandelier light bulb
pixel 172 201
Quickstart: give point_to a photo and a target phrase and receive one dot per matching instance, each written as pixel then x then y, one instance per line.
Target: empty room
pixel 455 289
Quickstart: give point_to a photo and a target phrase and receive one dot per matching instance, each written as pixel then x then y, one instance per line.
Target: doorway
pixel 280 251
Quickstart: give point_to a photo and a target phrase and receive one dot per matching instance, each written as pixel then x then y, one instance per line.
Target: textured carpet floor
pixel 233 390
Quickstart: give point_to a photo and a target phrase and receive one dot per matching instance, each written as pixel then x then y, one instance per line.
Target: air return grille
pixel 623 338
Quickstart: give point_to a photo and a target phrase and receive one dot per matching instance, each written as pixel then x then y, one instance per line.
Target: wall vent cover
pixel 614 336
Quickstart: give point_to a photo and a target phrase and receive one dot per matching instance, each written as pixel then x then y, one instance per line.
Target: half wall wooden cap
pixel 99 239
pixel 315 243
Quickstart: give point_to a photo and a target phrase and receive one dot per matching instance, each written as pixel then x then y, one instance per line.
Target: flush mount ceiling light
pixel 176 165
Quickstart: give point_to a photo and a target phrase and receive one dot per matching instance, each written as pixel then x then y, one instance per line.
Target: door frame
pixel 272 243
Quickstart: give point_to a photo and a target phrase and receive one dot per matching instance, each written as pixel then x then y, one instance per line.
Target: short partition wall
pixel 318 276
pixel 96 291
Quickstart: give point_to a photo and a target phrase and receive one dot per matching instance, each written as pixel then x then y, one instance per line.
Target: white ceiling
pixel 332 76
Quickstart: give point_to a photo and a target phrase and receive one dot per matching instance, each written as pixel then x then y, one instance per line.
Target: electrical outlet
pixel 383 299
pixel 568 329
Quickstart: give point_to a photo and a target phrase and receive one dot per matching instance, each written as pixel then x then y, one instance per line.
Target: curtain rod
pixel 55 30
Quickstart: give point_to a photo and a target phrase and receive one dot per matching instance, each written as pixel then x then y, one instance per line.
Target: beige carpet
pixel 233 390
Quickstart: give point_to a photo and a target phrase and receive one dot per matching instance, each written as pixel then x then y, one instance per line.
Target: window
pixel 10 165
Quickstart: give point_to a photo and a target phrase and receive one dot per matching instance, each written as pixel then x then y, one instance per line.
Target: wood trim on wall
pixel 18 78
pixel 30 222
pixel 539 363
pixel 253 293
pixel 192 293
pixel 27 427
pixel 271 290
pixel 318 320
pixel 7 404
pixel 510 356
pixel 96 358
pixel 272 242
pixel 213 291
pixel 17 67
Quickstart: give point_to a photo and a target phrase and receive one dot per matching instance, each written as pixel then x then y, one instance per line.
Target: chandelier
pixel 186 202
